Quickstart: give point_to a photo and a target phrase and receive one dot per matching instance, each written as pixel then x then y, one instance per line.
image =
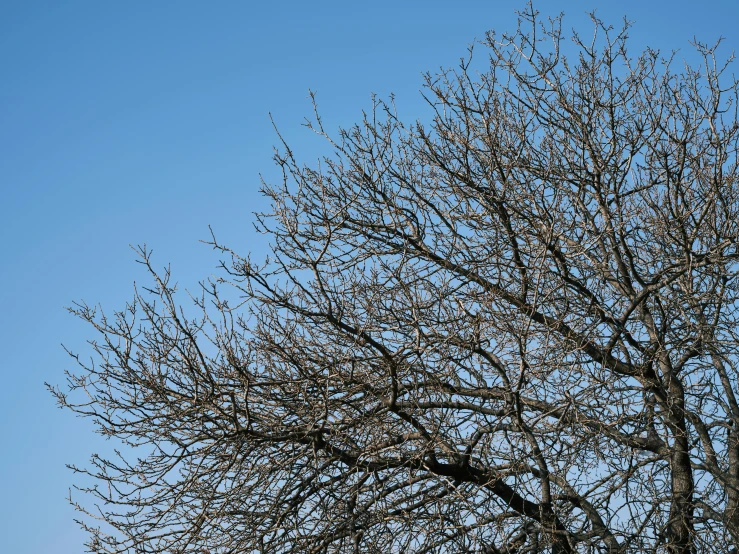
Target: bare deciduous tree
pixel 513 329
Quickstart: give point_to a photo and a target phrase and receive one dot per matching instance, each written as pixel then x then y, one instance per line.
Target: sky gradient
pixel 145 122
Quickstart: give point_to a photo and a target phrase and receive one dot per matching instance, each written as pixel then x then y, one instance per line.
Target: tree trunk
pixel 680 529
pixel 732 490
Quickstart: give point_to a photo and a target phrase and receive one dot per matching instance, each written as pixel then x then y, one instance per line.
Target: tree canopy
pixel 509 329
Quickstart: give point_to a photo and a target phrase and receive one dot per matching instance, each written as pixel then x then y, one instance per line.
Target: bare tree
pixel 510 330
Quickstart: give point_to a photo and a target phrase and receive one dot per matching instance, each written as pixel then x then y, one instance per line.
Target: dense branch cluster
pixel 510 330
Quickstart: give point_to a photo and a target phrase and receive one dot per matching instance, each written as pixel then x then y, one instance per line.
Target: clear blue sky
pixel 130 122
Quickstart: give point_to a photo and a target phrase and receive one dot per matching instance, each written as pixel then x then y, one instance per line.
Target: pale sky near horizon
pixel 145 122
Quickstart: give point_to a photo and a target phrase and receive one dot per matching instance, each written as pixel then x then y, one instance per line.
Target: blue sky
pixel 130 122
